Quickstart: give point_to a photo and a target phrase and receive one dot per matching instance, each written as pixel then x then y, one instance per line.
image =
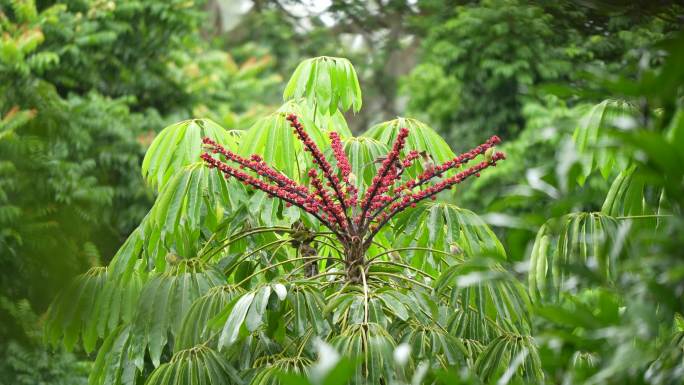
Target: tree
pixel 486 60
pixel 224 284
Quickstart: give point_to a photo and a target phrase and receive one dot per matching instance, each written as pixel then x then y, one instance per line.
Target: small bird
pixel 172 259
pixel 301 234
pixel 309 254
pixel 427 161
pixel 455 249
pixel 489 154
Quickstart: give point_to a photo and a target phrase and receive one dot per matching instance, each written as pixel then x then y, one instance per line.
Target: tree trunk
pixel 355 254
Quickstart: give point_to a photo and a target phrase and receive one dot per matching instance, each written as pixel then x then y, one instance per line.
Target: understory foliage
pixel 83 87
pixel 349 269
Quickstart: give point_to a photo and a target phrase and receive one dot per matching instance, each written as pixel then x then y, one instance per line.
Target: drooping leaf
pixel 582 240
pixel 590 136
pixel 179 145
pixel 373 346
pixel 484 287
pixel 119 361
pixel 326 83
pixel 195 328
pixel 199 365
pixel 363 154
pixel 166 299
pixel 456 232
pixel 421 138
pixel 195 198
pixel 509 356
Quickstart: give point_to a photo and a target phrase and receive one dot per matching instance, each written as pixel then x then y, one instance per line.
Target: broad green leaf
pixel 199 365
pixel 421 138
pixel 326 83
pixel 590 137
pixel 363 154
pixel 179 145
pixel 485 287
pixel 573 242
pixel 234 320
pixel 165 300
pixel 195 328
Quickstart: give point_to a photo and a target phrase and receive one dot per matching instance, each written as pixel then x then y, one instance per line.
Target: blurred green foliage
pixel 484 60
pixel 84 85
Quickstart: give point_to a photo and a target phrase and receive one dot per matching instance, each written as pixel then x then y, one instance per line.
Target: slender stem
pixel 339 251
pixel 323 274
pixel 645 216
pixel 267 268
pixel 257 230
pixel 397 276
pixel 346 283
pixel 408 248
pixel 419 271
pixel 245 256
pixel 296 269
pixel 365 295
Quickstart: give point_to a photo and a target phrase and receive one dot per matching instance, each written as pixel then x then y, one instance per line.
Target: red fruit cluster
pixel 344 166
pixel 335 202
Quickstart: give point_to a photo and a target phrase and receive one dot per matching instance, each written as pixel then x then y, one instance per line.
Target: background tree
pixel 82 92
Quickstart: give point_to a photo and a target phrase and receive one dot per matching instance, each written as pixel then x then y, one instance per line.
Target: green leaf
pixel 166 299
pixel 590 137
pixel 363 153
pixel 421 138
pixel 483 286
pixel 199 365
pixel 185 206
pixel 575 242
pixel 255 316
pixel 326 83
pixel 456 232
pixel 236 314
pixel 179 145
pixel 119 361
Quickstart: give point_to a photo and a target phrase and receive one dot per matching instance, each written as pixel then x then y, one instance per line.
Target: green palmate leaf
pixel 363 154
pixel 70 314
pixel 199 365
pixel 307 303
pixel 96 302
pixel 421 138
pixel 509 356
pixel 244 314
pixel 284 371
pixel 272 139
pixel 483 286
pixel 91 307
pixel 576 242
pixel 194 199
pixel 119 361
pixel 195 328
pixel 373 346
pixel 628 195
pixel 457 232
pixel 434 343
pixel 326 83
pixel 179 145
pixel 165 300
pixel 590 137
